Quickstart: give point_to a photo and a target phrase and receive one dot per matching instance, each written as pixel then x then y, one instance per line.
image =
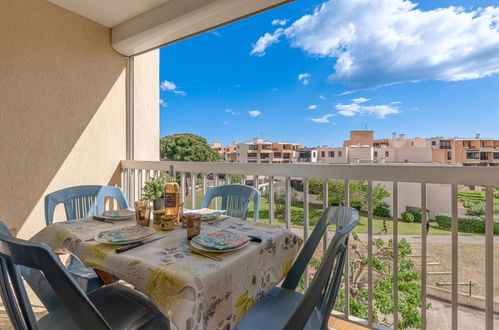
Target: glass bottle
pixel 172 198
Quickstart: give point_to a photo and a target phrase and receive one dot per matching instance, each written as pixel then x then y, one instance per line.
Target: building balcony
pixel 435 257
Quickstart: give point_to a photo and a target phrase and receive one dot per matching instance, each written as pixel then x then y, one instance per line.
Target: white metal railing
pixel 135 173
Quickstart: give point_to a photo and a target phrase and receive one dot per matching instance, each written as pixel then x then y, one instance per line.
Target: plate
pixel 207 214
pixel 119 214
pixel 124 235
pixel 220 240
pixel 202 248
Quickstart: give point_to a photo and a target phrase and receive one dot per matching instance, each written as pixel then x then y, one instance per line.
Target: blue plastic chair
pixel 80 202
pixel 111 307
pixel 285 308
pixel 235 199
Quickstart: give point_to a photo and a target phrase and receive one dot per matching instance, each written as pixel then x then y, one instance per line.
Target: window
pixel 445 144
pixel 339 153
pixel 313 154
pixel 433 143
pixel 285 156
pixel 277 155
pixel 253 147
pixel 331 154
pixel 496 155
pixel 375 154
pixel 472 155
pixel 323 154
pixel 387 154
pixel 449 155
pixel 251 155
pixel 264 156
pixel 484 156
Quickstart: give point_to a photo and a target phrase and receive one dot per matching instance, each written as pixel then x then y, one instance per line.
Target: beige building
pixel 257 151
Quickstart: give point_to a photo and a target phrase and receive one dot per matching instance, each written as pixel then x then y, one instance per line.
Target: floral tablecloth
pixel 193 291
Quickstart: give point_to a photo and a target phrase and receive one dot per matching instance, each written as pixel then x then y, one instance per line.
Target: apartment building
pixel 466 152
pixel 257 151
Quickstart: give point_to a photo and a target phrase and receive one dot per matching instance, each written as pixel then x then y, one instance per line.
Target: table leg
pixel 105 277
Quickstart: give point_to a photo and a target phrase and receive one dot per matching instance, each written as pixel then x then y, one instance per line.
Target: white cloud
pixel 312 107
pixel 232 112
pixel 304 78
pixel 255 113
pixel 170 86
pixel 226 122
pixel 383 42
pixel 218 34
pixel 323 119
pixel 322 97
pixel 355 108
pixel 163 103
pixel 280 22
pixel 360 100
pixel 265 42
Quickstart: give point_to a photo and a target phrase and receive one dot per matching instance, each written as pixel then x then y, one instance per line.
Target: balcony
pixel 92 101
pixel 439 260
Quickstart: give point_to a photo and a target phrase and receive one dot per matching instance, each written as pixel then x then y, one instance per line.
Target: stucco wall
pixel 62 108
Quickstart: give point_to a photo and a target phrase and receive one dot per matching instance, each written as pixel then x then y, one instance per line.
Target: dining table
pixel 192 290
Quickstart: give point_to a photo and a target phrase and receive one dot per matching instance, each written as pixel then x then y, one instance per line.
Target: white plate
pixel 202 248
pixel 128 214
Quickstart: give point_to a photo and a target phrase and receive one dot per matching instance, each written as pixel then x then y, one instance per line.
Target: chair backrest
pixel 235 199
pixel 324 288
pixel 82 201
pixel 36 281
pixel 16 253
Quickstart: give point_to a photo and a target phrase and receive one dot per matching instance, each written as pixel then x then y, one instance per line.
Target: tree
pixel 358 193
pixel 186 147
pixel 280 199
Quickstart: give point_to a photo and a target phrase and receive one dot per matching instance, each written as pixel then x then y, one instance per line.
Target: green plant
pixel 154 188
pixel 465 224
pixel 315 186
pixel 280 199
pixel 407 216
pixel 381 211
pixel 356 204
pixel 478 209
pixel 409 286
pixel 187 147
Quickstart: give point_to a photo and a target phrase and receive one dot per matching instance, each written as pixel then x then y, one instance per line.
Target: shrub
pixel 381 212
pixel 315 186
pixel 407 216
pixel 465 224
pixel 417 215
pixel 356 204
pixel 478 209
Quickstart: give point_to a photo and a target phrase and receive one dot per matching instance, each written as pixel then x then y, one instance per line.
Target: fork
pixel 191 251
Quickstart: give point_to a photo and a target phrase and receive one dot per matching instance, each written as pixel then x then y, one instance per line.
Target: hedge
pixel 416 216
pixel 465 224
pixel 381 212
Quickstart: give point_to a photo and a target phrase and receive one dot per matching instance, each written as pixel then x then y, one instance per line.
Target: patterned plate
pixel 220 240
pixel 207 214
pixel 124 235
pixel 202 248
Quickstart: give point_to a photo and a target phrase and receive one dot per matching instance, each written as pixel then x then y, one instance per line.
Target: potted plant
pixel 153 191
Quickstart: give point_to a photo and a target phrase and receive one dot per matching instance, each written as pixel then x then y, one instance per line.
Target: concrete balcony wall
pixel 63 108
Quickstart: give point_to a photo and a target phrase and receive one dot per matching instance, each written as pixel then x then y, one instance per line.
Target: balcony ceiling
pixel 109 13
pixel 142 25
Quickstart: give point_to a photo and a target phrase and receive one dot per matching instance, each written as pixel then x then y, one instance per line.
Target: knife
pixel 102 219
pixel 130 246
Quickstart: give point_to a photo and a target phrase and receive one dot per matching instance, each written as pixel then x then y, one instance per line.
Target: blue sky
pixel 310 71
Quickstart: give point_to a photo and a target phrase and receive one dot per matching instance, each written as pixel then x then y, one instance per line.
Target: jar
pixel 193 222
pixel 168 222
pixel 157 218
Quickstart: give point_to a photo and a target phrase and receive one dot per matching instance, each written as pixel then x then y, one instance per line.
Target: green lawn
pixel 404 228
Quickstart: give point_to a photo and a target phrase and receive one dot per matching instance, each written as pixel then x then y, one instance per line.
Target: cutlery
pixel 256 239
pixel 217 220
pixel 102 219
pixel 189 250
pixel 130 246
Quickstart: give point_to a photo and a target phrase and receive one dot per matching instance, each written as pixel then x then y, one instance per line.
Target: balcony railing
pixel 135 173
